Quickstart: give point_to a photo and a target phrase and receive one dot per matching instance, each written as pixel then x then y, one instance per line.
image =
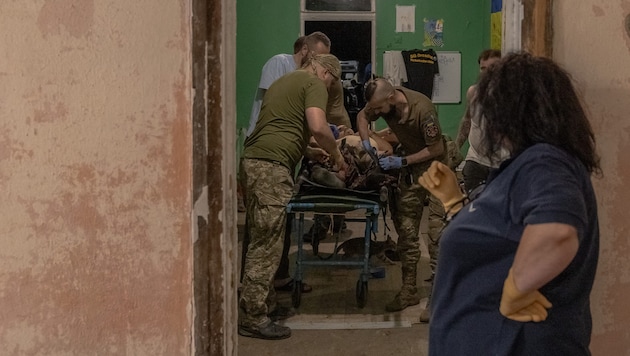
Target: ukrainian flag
pixel 496 24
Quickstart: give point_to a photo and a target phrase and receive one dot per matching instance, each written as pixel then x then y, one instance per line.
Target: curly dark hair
pixel 525 100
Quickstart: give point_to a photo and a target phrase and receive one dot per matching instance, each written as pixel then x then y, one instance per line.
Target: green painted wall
pixel 266 28
pixel 263 29
pixel 466 29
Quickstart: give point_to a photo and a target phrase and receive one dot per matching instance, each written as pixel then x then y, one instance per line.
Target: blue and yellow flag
pixel 496 24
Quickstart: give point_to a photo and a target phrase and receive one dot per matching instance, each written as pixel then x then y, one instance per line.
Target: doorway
pixel 352 44
pixel 351 41
pixel 214 261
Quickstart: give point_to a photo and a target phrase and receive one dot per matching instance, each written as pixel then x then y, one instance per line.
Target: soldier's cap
pixel 330 63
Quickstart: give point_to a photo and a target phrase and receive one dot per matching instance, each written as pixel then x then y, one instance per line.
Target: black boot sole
pixel 254 334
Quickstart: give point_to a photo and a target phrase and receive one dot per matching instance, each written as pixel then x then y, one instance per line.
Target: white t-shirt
pixel 476 150
pixel 276 67
pixel 394 69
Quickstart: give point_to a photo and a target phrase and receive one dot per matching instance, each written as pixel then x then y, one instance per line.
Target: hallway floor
pixel 328 320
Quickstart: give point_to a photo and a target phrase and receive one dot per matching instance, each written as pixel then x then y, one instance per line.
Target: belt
pixel 270 161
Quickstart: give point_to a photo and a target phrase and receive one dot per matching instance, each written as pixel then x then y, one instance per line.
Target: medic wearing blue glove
pixel 392 162
pixel 370 150
pixel 412 117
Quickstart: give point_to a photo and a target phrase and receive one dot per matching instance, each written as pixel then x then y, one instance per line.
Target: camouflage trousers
pixel 269 188
pixel 436 225
pixel 436 209
pixel 406 212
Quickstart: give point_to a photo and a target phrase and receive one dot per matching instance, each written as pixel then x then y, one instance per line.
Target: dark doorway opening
pixel 351 40
pixel 352 44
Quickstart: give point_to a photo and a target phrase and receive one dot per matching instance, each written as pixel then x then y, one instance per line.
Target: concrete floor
pixel 359 342
pixel 329 322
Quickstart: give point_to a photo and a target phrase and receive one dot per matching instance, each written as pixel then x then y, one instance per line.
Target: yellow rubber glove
pixel 441 181
pixel 522 306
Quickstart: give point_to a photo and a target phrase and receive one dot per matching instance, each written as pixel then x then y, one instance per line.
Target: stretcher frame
pixel 327 204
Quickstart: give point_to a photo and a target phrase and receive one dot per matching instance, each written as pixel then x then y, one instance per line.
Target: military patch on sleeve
pixel 431 130
pixel 431 127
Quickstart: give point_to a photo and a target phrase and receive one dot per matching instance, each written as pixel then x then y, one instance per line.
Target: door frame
pixel 214 216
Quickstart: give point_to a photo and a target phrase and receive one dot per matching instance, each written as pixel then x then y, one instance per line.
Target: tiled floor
pixel 329 322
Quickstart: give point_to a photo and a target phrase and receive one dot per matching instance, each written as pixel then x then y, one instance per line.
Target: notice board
pixel 447 86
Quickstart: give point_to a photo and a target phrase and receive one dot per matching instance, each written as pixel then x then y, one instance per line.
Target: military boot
pixel 408 294
pixel 405 298
pixel 425 315
pixel 268 330
pixel 319 229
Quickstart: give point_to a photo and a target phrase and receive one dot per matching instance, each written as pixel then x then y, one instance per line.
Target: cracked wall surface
pixel 592 42
pixel 95 176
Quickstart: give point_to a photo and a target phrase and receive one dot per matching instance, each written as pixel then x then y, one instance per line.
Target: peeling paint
pixel 75 17
pixel 95 174
pixel 201 209
pixel 50 112
pixel 602 27
pixel 598 11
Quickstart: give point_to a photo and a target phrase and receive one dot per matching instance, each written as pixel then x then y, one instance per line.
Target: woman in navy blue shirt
pixel 517 263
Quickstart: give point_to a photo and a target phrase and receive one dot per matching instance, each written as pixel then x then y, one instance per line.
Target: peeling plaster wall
pixel 95 176
pixel 591 42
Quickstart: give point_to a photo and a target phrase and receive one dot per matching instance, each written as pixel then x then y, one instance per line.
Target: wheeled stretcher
pixel 325 200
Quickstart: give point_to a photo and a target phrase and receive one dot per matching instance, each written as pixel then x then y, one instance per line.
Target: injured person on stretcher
pixel 363 173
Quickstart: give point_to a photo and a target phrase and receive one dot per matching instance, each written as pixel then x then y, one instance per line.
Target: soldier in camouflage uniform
pixel 293 109
pixel 436 221
pixel 413 119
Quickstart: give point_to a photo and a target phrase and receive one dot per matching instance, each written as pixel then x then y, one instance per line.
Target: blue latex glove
pixel 369 149
pixel 335 130
pixel 390 162
pixel 367 145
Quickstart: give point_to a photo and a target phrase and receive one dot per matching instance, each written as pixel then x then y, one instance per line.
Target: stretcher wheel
pixel 296 296
pixel 362 289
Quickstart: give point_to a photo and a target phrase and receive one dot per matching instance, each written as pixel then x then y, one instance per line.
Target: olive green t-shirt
pixel 336 113
pixel 419 129
pixel 282 133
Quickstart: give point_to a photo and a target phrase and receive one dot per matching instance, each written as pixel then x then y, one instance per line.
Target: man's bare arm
pixel 363 125
pixel 316 119
pixel 427 153
pixel 464 125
